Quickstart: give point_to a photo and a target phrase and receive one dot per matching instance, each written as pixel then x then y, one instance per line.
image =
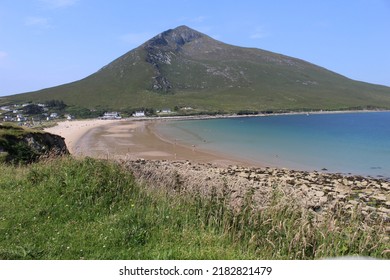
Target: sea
pixel 347 143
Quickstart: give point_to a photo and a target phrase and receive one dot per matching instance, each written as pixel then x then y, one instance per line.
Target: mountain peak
pixel 161 49
pixel 174 38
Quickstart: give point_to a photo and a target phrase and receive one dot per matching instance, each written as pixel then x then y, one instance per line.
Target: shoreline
pixel 226 116
pixel 264 161
pixel 220 159
pixel 160 162
pixel 138 139
pixel 135 138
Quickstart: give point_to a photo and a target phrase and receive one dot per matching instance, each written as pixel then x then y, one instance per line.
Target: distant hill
pixel 183 67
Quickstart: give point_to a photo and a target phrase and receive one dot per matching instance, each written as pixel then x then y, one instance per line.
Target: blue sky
pixel 45 43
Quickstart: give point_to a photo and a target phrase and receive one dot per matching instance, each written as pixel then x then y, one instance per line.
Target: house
pixel 53 115
pixel 8 118
pixel 111 116
pixel 166 111
pixel 20 118
pixel 139 114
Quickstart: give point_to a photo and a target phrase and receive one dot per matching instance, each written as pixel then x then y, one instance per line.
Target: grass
pixel 91 209
pixel 13 148
pixel 10 129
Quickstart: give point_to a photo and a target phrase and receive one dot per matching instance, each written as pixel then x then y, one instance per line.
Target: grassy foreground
pixel 91 209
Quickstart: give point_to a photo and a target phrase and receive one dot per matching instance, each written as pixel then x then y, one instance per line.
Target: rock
pixel 385 186
pixel 341 196
pixel 323 200
pixel 380 197
pixel 305 189
pixel 353 202
pixel 369 209
pixel 28 147
pixel 328 189
pixel 319 193
pixel 384 210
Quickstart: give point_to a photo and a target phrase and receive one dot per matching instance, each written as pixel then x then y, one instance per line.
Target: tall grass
pixel 92 209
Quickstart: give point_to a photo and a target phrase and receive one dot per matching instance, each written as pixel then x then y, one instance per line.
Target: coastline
pixel 135 138
pixel 158 160
pixel 131 139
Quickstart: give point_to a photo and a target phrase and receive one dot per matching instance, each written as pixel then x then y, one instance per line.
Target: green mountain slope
pixel 182 67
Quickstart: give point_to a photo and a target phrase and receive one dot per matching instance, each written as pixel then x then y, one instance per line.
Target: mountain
pixel 183 67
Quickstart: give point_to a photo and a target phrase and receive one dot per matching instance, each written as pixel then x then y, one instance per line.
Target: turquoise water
pixel 356 143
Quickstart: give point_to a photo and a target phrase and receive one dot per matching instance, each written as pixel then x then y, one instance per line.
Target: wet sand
pixel 131 139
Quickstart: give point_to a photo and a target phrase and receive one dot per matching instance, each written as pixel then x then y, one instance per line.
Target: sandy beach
pixel 137 145
pixel 72 131
pixel 137 138
pixel 129 139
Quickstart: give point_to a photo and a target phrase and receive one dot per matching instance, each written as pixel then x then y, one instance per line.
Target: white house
pixel 111 116
pixel 8 119
pixel 139 114
pixel 20 118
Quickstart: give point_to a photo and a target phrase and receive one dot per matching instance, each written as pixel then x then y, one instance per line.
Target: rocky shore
pixel 19 145
pixel 321 194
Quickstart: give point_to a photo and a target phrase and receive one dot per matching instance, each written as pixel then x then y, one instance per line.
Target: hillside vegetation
pixel 23 145
pixel 185 68
pixel 91 209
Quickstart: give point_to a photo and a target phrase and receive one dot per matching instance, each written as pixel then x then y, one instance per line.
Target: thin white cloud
pixel 136 38
pixel 259 33
pixel 57 4
pixel 40 22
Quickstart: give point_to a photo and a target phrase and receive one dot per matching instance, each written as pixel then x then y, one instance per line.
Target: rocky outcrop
pixel 21 146
pixel 319 193
pixel 46 144
pixel 162 48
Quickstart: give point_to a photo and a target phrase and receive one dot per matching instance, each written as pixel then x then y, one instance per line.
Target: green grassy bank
pixel 91 209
